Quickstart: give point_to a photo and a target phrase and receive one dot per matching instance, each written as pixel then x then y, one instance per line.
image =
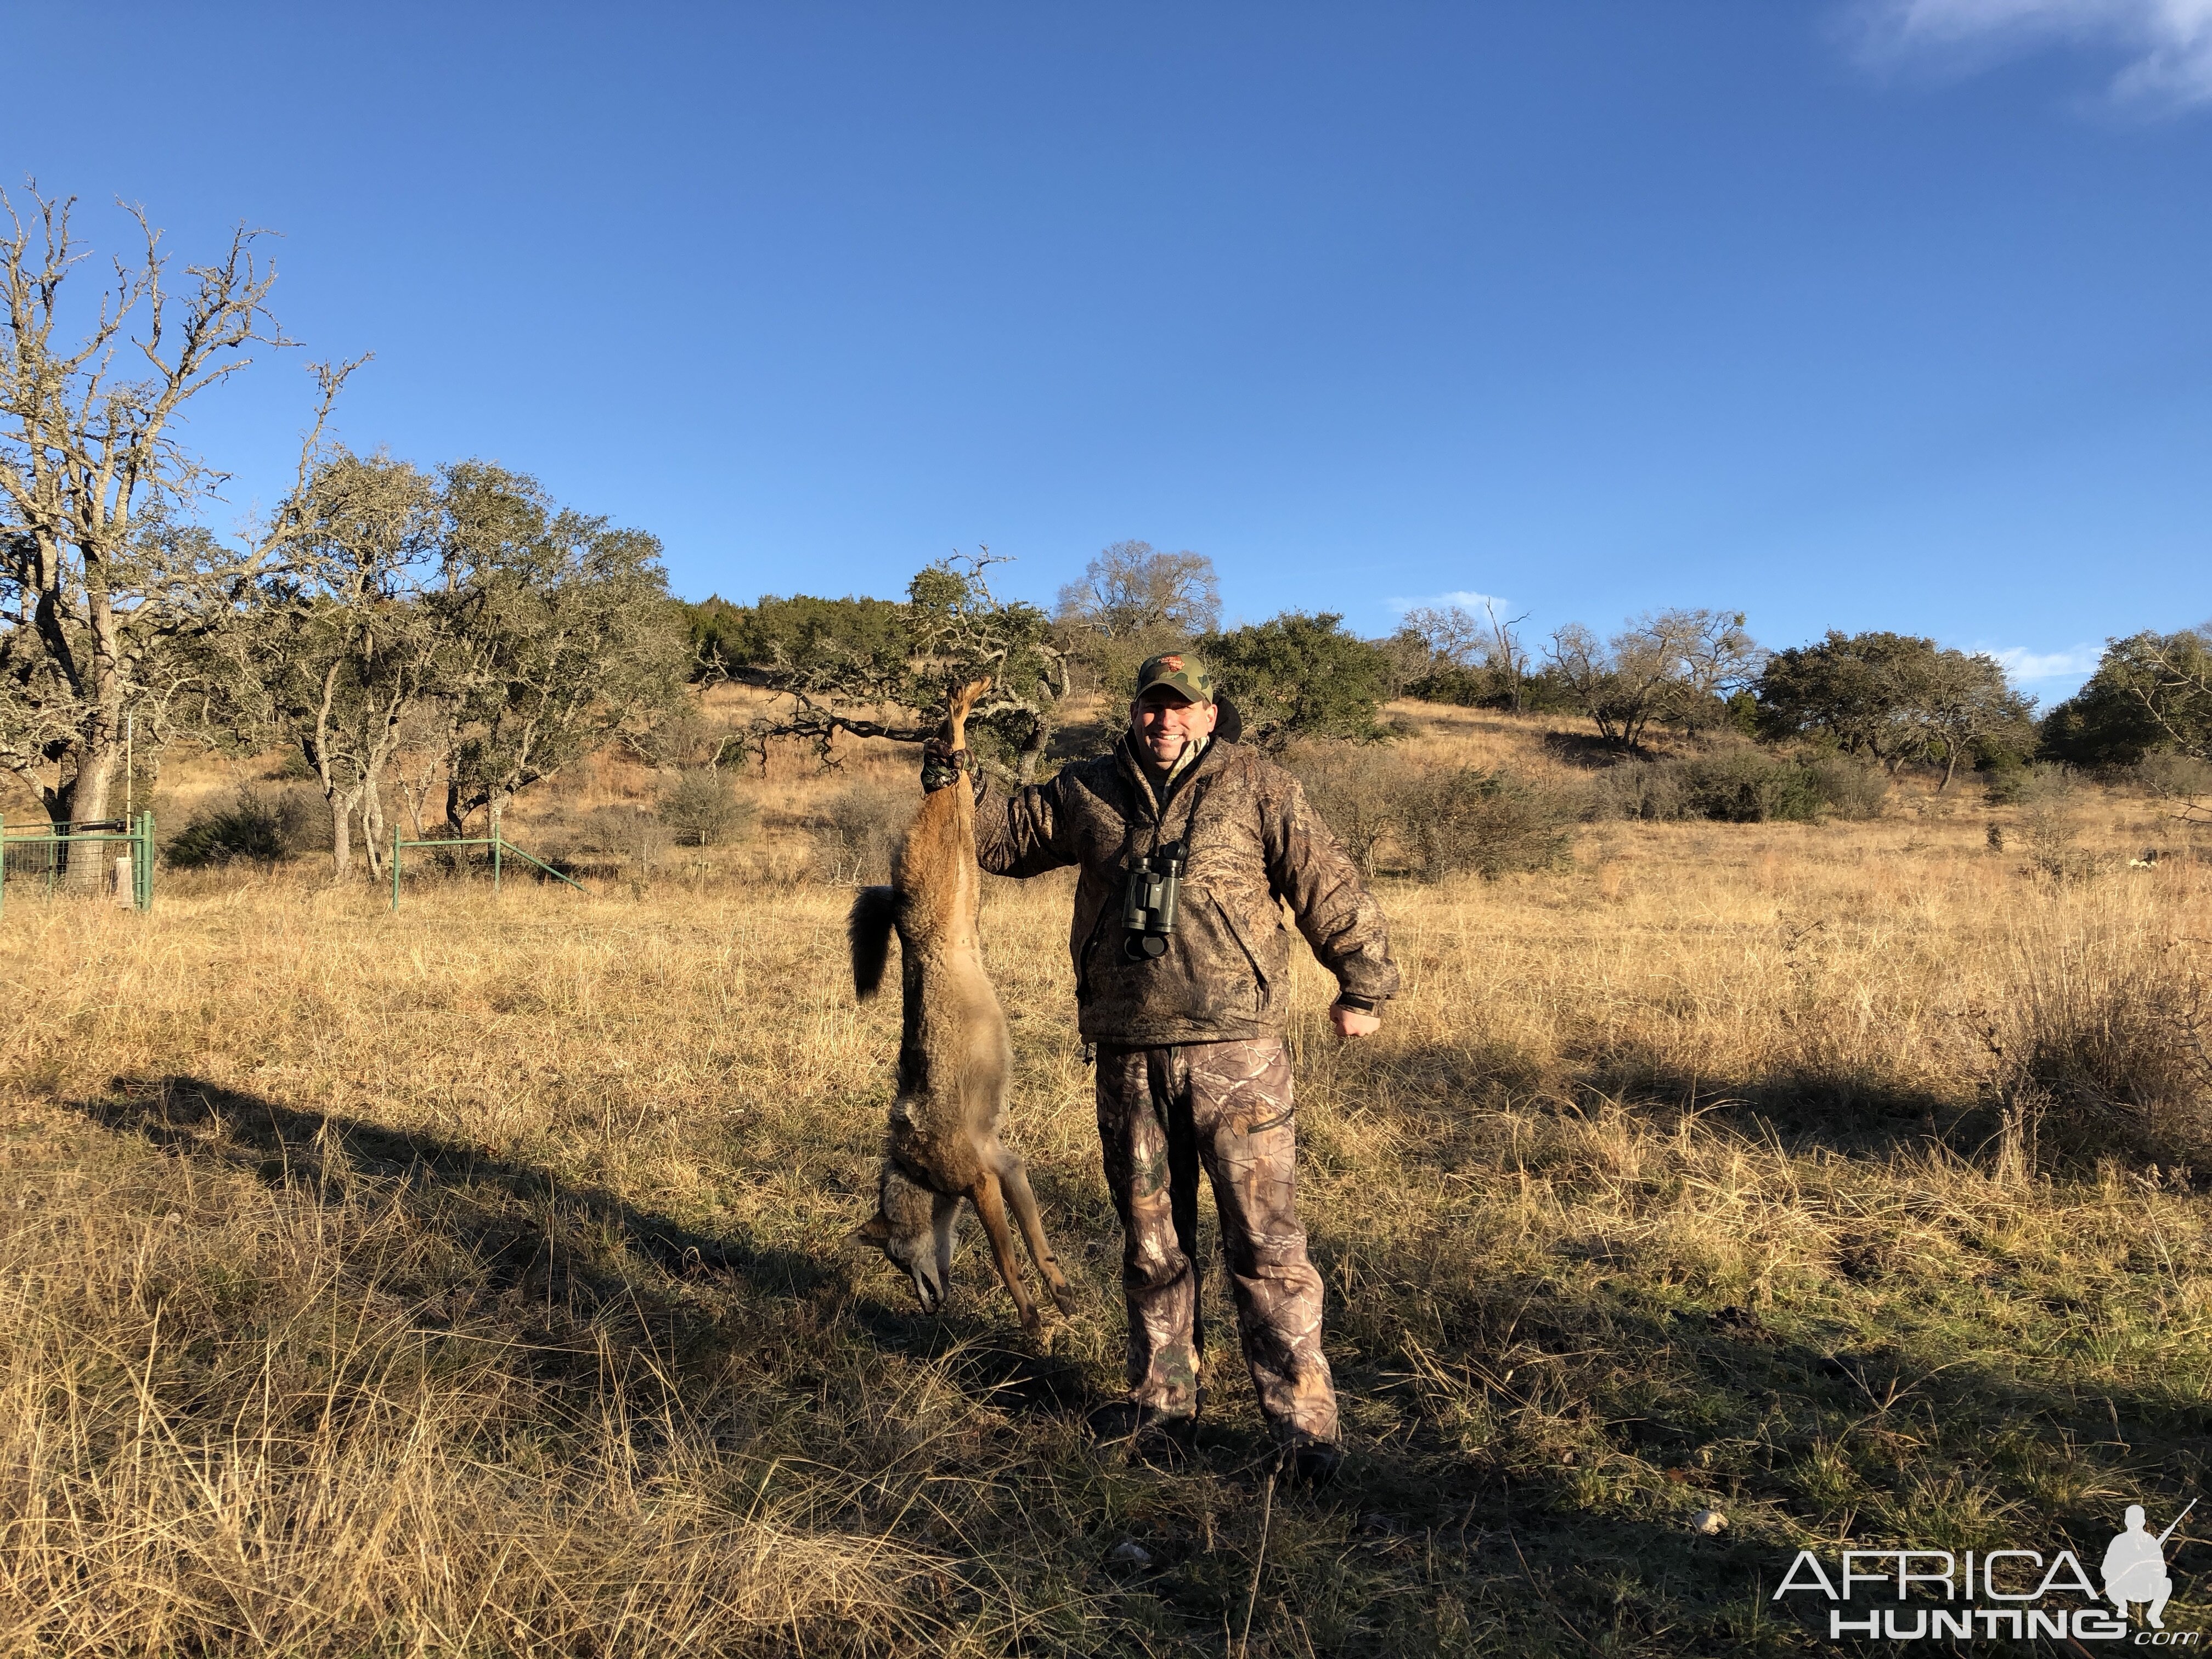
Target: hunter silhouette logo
pixel 2135 1567
pixel 2000 1595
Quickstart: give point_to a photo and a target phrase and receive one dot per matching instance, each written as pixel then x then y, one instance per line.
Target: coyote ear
pixel 874 1230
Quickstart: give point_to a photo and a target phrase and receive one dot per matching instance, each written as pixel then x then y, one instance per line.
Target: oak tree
pixel 109 588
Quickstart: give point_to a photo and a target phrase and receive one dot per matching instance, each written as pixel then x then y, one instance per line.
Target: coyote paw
pixel 1063 1298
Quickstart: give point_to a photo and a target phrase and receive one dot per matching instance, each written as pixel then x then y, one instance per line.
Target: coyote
pixel 954 1057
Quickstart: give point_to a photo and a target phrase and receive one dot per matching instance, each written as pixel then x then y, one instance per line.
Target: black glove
pixel 941 768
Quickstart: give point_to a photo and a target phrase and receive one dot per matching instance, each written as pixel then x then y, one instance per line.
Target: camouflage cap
pixel 1178 671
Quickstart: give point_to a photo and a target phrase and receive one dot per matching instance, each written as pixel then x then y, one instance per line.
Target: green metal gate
pixel 44 853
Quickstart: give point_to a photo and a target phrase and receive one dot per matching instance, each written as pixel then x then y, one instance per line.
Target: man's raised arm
pixel 1017 835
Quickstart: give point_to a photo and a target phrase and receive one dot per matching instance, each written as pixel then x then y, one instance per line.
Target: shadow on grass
pixel 1561 1436
pixel 1470 1382
pixel 1868 1117
pixel 573 1246
pixel 1843 1112
pixel 498 1205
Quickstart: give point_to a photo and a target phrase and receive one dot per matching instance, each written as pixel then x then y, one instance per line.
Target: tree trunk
pixel 371 828
pixel 1033 747
pixel 86 802
pixel 341 835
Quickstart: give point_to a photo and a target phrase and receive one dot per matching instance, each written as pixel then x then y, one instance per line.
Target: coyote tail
pixel 875 913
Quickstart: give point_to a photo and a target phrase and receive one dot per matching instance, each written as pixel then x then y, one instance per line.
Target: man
pixel 2135 1570
pixel 1188 1023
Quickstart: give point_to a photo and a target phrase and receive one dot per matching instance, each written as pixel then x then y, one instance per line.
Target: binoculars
pixel 1148 902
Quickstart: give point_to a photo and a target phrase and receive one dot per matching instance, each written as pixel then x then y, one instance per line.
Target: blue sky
pixel 1849 315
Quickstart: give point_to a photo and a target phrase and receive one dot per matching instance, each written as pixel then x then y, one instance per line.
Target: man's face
pixel 1164 720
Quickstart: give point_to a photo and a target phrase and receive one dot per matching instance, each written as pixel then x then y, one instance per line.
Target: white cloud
pixel 1465 598
pixel 2168 44
pixel 2074 663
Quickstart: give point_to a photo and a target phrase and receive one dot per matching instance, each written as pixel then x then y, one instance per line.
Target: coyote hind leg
pixel 1019 1199
pixel 985 1195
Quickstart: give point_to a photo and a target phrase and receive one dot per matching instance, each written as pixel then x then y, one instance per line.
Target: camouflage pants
pixel 1163 1113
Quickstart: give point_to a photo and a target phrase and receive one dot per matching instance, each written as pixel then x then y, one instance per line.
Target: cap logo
pixel 1172 663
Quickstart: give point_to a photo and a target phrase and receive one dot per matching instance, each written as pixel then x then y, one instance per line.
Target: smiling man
pixel 1188 847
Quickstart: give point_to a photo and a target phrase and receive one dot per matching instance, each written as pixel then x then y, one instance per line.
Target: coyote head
pixel 913 1226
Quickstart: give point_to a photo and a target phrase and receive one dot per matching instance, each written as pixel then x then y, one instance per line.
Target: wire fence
pixel 499 851
pixel 50 856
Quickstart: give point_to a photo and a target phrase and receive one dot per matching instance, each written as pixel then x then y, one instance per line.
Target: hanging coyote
pixel 954 1058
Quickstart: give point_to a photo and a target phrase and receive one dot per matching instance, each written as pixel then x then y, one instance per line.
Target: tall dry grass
pixel 469 1279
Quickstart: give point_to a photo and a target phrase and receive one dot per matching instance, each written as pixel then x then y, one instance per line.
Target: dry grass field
pixel 471 1280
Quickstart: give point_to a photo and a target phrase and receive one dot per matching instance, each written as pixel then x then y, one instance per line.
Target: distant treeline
pixel 1888 698
pixel 425 643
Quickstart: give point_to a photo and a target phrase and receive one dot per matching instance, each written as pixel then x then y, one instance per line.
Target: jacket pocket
pixel 1206 979
pixel 1236 931
pixel 1085 958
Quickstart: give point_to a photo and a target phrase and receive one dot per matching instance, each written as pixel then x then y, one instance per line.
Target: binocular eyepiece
pixel 1148 902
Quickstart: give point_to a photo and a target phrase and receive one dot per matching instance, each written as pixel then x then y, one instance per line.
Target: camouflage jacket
pixel 1251 840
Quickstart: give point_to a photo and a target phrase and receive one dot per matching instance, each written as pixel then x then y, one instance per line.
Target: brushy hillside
pixel 471 1280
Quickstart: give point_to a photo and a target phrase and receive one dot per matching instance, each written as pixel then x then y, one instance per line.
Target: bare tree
pixel 1133 603
pixel 1451 633
pixel 1620 693
pixel 1503 654
pixel 1455 636
pixel 1964 698
pixel 1714 658
pixel 952 629
pixel 105 588
pixel 347 646
pixel 1133 588
pixel 2174 687
pixel 1678 664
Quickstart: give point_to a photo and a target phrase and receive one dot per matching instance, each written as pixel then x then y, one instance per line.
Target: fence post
pixel 395 869
pixel 496 844
pixel 141 863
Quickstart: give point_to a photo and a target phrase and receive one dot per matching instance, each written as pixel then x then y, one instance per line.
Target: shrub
pixel 250 827
pixel 1299 676
pixel 2103 1037
pixel 2047 802
pixel 1355 788
pixel 1851 789
pixel 1465 687
pixel 860 831
pixel 1490 822
pixel 1741 786
pixel 1748 786
pixel 629 832
pixel 703 806
pixel 2173 776
pixel 1648 790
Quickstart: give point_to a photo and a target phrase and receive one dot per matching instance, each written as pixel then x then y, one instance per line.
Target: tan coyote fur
pixel 954 1058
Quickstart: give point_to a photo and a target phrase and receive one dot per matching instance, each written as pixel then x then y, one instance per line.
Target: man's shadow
pixel 571 1246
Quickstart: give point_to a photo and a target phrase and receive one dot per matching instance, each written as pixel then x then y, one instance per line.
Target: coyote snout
pixel 954 1057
